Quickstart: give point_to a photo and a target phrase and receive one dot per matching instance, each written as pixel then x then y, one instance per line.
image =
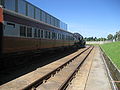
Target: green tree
pixel 110 37
pixel 117 36
pixel 95 39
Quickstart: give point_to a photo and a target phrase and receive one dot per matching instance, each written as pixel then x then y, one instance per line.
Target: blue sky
pixel 96 18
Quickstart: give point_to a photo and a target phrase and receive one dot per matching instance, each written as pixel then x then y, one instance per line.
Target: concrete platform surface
pixel 92 75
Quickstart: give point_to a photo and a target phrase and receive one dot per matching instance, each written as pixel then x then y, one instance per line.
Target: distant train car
pixel 21 30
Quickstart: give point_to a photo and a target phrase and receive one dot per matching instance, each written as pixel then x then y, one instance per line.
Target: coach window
pixel 12 25
pixel 70 38
pixel 49 34
pixel 10 4
pixel 63 37
pixel 23 31
pixel 60 37
pixel 46 34
pixel 39 33
pixel 37 14
pixel 53 35
pixel 30 10
pixel 42 34
pixel 58 23
pixel 21 7
pixel 66 37
pixel 48 19
pixel 57 36
pixel 40 14
pixel 43 16
pixel 52 21
pixel 35 32
pixel 29 32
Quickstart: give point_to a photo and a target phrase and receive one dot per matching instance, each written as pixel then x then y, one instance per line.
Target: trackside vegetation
pixel 113 51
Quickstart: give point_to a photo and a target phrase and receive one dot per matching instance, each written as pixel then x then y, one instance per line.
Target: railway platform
pixel 92 74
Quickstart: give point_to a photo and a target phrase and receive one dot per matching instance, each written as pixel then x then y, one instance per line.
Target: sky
pixel 90 18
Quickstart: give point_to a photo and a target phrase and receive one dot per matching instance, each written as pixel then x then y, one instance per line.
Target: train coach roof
pixel 28 9
pixel 29 18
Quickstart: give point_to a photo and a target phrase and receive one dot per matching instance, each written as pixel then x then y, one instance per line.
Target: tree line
pixel 110 37
pixel 115 37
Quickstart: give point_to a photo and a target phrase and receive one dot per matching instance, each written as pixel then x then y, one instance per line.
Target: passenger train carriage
pixel 21 32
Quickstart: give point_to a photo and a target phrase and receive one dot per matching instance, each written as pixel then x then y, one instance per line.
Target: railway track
pixel 60 77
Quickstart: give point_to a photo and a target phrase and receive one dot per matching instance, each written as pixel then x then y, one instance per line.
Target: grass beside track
pixel 113 51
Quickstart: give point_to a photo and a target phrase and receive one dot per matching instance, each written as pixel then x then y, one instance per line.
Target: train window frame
pixel 21 7
pixel 35 32
pixel 41 33
pixel 53 35
pixel 30 10
pixel 58 36
pixel 63 36
pixel 49 35
pixel 29 34
pixel 37 13
pixel 46 34
pixel 11 24
pixel 24 33
pixel 11 6
pixel 43 16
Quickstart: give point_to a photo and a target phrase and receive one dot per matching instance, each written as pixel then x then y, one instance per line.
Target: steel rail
pixel 69 79
pixel 48 75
